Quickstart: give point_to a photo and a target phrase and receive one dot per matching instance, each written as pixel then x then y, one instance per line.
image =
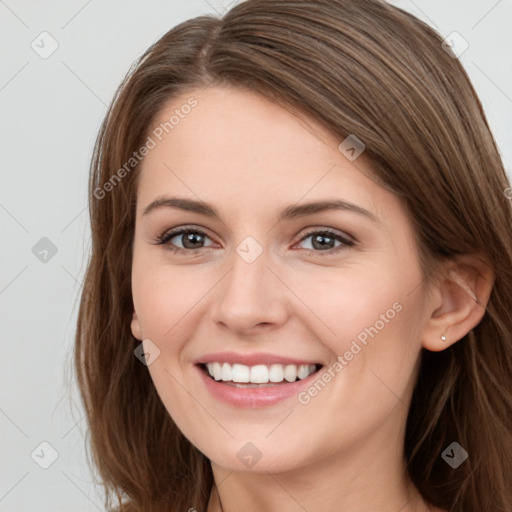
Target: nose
pixel 250 297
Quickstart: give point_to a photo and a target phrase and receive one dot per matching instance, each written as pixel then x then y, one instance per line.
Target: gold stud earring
pixel 443 338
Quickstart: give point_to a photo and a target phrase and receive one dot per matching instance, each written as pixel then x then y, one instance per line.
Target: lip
pixel 251 359
pixel 253 397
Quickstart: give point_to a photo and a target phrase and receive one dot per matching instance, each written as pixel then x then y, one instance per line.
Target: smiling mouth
pixel 242 376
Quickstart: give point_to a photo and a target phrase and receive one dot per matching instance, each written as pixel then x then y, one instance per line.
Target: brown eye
pixel 189 239
pixel 325 240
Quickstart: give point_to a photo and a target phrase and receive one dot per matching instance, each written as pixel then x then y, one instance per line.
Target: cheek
pixel 370 322
pixel 375 348
pixel 166 299
pixel 346 303
pixel 163 295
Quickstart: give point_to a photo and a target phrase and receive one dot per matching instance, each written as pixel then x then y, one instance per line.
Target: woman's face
pixel 273 282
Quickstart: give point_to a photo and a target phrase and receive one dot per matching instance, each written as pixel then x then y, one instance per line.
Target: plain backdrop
pixel 52 105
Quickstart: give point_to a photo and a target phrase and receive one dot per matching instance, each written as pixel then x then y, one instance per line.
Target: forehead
pixel 235 144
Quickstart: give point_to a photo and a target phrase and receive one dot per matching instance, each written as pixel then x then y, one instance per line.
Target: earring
pixel 443 338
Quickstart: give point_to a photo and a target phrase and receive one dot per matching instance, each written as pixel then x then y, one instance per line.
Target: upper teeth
pixel 259 374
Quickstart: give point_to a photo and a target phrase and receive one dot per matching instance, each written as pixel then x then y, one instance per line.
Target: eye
pixel 190 239
pixel 325 241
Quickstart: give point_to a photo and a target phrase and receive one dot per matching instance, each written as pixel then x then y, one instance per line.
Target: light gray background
pixel 51 110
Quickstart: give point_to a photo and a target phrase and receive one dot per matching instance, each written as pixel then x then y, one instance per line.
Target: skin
pixel 251 158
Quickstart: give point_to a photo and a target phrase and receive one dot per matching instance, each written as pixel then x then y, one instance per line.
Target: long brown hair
pixel 360 67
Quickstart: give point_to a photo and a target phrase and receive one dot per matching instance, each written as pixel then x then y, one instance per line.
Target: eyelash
pixel 167 236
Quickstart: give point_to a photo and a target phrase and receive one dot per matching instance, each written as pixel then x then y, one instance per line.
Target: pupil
pixel 320 240
pixel 192 238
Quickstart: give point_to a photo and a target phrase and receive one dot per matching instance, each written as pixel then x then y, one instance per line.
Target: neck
pixel 337 482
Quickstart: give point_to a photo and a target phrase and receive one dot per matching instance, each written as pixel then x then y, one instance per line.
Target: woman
pixel 301 275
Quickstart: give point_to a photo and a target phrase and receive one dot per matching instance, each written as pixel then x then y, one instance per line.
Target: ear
pixel 459 299
pixel 135 325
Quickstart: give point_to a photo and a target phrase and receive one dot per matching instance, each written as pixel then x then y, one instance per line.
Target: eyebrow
pixel 290 212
